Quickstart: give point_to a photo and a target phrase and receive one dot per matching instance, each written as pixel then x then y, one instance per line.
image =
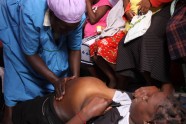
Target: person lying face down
pixel 80 92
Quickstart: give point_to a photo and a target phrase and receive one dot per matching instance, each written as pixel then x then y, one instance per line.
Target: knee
pixel 95 58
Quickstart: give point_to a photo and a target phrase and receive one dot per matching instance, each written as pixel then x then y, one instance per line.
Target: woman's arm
pixel 40 67
pixel 100 12
pixel 94 108
pixel 167 88
pixel 144 5
pixel 129 14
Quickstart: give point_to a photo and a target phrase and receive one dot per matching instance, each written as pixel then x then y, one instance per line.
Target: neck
pixel 130 120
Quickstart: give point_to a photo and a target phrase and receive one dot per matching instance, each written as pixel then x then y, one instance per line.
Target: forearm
pixel 91 14
pixel 78 119
pixel 74 60
pixel 125 3
pixel 40 67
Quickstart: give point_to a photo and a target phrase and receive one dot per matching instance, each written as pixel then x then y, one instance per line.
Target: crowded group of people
pixel 42 54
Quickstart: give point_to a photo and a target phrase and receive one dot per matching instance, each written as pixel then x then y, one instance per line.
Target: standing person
pixel 148 55
pixel 176 34
pixel 41 49
pixel 104 50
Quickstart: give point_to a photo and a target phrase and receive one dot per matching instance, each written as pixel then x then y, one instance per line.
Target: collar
pixel 46 21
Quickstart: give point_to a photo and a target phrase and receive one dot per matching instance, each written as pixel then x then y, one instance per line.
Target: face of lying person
pixel 143 109
pixel 60 26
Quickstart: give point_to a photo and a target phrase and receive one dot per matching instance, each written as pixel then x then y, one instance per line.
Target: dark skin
pixel 95 107
pixel 59 27
pixel 100 12
pixel 76 101
pixel 129 14
pixel 93 18
pixel 144 6
pixel 87 97
pixel 74 57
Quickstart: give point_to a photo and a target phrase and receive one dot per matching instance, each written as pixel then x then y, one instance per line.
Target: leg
pixel 92 71
pixel 122 82
pixel 149 80
pixel 109 72
pixel 7 117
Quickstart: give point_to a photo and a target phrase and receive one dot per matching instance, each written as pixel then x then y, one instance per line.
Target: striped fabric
pixel 147 53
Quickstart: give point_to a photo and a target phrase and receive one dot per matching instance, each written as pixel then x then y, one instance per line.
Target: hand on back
pixel 59 86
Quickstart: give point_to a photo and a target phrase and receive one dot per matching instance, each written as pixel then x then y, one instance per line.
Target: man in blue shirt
pixel 41 47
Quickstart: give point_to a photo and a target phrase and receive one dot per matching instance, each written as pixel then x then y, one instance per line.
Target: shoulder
pixel 34 10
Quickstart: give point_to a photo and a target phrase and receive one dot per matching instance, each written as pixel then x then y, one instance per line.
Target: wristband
pixel 82 119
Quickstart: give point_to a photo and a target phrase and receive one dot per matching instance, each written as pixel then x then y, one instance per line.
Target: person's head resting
pixel 158 109
pixel 65 15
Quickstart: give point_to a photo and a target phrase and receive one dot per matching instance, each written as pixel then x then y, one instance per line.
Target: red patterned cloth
pixel 107 47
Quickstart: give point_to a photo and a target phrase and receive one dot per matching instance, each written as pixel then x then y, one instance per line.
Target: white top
pixel 113 2
pixel 125 102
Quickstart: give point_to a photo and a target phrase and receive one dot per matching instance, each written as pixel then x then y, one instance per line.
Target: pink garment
pixel 70 11
pixel 90 30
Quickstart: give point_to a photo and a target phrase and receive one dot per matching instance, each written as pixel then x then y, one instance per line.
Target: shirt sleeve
pixel 29 34
pixel 75 37
pixel 158 3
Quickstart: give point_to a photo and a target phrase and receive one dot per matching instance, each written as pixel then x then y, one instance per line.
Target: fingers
pixel 140 92
pixel 58 94
pixel 143 7
pixel 139 5
pixel 70 78
pixel 60 89
pixel 130 14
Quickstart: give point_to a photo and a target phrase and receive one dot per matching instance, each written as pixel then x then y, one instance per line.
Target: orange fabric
pixel 127 8
pixel 158 3
pixel 107 47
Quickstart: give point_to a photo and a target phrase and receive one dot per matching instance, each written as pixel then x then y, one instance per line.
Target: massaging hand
pixel 144 6
pixel 59 86
pixel 146 91
pixel 95 107
pixel 129 14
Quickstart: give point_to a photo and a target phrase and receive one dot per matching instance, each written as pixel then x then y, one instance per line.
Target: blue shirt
pixel 22 32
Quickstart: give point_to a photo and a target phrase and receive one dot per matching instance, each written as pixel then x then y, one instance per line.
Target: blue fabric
pixel 22 31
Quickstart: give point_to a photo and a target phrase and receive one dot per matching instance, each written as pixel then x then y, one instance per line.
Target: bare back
pixel 78 92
